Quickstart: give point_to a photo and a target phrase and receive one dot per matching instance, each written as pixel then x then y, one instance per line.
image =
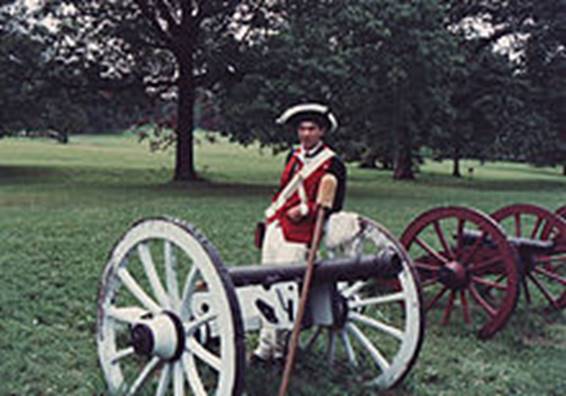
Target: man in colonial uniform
pixel 291 217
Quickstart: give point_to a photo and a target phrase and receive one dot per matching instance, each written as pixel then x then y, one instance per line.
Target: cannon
pixel 172 318
pixel 476 265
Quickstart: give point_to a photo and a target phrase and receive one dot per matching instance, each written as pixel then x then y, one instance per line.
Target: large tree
pixel 175 46
pixel 382 65
pixel 31 99
pixel 515 95
pixel 545 68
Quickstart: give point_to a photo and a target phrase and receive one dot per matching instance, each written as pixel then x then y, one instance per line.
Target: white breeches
pixel 276 250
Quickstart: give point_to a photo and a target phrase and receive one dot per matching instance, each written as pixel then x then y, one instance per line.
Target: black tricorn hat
pixel 316 112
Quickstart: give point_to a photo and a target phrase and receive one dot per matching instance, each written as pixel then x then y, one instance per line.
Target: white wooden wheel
pixel 151 336
pixel 383 330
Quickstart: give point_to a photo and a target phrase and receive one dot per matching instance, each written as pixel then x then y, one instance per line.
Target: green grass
pixel 63 206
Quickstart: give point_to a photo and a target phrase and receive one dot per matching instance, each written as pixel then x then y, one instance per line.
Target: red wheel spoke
pixel 548 231
pixel 436 298
pixel 551 275
pixel 442 240
pixel 426 266
pixel 477 267
pixel 557 260
pixel 561 302
pixel 543 290
pixel 517 217
pixel 536 228
pixel 474 249
pixel 429 282
pixel 465 307
pixel 448 309
pixel 485 282
pixel 526 290
pixel 459 233
pixel 481 301
pixel 431 251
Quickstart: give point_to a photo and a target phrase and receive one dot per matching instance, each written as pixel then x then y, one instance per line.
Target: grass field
pixel 63 206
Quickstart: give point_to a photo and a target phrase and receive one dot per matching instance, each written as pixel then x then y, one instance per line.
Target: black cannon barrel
pixel 527 246
pixel 385 264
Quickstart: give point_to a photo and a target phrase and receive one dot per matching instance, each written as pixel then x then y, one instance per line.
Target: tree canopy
pixel 454 79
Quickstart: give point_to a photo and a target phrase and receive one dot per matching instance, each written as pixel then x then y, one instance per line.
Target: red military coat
pixel 301 231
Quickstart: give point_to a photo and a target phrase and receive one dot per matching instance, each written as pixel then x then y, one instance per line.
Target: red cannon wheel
pixel 477 274
pixel 547 272
pixel 561 211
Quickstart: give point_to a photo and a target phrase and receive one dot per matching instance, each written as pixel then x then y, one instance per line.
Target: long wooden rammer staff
pixel 325 200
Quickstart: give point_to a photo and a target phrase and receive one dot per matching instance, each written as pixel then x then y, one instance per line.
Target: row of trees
pixel 460 78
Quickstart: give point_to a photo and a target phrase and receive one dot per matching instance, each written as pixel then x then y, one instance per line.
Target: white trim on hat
pixel 309 108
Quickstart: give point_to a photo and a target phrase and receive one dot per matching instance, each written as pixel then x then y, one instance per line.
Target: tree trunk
pixel 456 163
pixel 403 157
pixel 184 161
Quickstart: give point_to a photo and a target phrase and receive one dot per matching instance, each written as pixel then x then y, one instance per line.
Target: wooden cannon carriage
pixel 468 264
pixel 187 335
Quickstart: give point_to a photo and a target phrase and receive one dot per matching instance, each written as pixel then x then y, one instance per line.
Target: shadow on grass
pixel 215 187
pixel 26 174
pixel 159 181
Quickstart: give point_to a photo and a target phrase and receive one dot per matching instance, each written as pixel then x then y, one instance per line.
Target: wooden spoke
pixel 442 240
pixel 331 346
pixel 188 291
pixel 448 308
pixel 392 331
pixel 121 354
pixel 435 299
pixel 526 290
pixel 536 227
pixel 345 338
pixel 481 301
pixel 465 307
pixel 460 235
pixel 171 274
pixel 482 265
pixel 429 282
pixel 551 275
pixel 431 251
pixel 145 256
pixel 192 375
pixel 474 249
pixel 144 374
pixel 518 230
pixel 128 315
pixel 312 339
pixel 164 380
pixel 353 289
pixel 556 260
pixel 198 350
pixel 543 290
pixel 376 356
pixel 193 325
pixel 137 291
pixel 179 379
pixel 389 298
pixel 491 284
pixel 427 267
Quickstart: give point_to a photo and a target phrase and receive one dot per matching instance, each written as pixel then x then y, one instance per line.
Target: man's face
pixel 310 134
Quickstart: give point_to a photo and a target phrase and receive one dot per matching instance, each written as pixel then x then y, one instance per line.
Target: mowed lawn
pixel 63 206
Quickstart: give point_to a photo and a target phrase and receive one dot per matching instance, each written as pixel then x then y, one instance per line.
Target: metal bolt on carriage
pixel 172 318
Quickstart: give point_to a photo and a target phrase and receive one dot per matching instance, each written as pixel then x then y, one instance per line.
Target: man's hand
pixel 294 214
